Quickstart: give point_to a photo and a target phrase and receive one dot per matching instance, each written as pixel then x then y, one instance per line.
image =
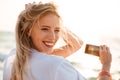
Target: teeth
pixel 49 43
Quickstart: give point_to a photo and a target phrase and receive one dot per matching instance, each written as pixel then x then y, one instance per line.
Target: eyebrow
pixel 49 26
pixel 45 26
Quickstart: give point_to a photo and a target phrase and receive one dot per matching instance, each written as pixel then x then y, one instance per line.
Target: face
pixel 46 34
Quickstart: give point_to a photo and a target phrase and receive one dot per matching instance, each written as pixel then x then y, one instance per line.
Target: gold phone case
pixel 92 49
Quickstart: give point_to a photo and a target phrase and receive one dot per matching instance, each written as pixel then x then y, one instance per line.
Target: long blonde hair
pixel 25 22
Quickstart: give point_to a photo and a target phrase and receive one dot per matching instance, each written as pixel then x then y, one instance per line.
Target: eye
pixel 45 29
pixel 57 30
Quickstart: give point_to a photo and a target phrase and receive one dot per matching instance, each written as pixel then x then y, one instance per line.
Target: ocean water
pixel 87 65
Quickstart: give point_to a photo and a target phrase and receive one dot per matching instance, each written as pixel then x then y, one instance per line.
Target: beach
pixel 87 65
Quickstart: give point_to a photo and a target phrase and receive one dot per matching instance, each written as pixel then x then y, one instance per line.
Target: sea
pixel 88 65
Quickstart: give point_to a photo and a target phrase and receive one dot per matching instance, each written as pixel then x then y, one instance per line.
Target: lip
pixel 48 44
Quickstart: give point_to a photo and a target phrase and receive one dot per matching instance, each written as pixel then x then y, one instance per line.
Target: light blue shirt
pixel 44 67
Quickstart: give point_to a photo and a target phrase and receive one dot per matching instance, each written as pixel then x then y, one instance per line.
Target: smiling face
pixel 45 35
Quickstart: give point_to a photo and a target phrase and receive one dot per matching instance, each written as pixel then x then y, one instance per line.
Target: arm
pixel 73 43
pixel 106 59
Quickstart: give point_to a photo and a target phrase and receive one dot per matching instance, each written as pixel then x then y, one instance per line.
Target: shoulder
pixel 10 56
pixel 42 64
pixel 9 59
pixel 38 58
pixel 11 53
pixel 8 64
pixel 66 71
pixel 55 67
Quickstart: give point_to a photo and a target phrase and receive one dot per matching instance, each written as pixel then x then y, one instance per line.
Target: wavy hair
pixel 25 22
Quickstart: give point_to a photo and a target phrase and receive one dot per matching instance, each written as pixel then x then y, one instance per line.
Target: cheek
pixel 35 39
pixel 39 37
pixel 57 37
pixel 37 42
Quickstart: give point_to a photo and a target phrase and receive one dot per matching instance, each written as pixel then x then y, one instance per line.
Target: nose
pixel 52 35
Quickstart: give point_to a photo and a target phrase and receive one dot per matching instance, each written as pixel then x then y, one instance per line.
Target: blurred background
pixel 94 21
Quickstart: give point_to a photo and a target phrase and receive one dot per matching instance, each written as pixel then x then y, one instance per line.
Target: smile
pixel 48 44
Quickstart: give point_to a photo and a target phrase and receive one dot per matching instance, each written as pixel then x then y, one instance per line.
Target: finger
pixel 26 6
pixel 108 51
pixel 105 48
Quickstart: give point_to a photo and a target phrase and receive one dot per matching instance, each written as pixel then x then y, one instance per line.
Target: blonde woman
pixel 37 30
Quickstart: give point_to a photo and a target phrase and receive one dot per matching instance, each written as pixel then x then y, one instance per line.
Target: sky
pixel 85 16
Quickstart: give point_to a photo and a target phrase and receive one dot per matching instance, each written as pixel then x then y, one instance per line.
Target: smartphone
pixel 92 49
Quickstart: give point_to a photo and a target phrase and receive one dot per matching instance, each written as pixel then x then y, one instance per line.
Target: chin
pixel 48 51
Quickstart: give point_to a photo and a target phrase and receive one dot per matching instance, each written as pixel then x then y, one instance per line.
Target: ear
pixel 29 32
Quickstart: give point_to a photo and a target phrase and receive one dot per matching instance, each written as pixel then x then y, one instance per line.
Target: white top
pixel 44 67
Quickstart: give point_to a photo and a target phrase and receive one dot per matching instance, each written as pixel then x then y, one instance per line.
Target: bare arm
pixel 73 43
pixel 106 59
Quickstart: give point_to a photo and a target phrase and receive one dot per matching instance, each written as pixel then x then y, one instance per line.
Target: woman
pixel 37 30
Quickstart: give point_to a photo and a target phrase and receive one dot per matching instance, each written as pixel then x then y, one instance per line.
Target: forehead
pixel 49 20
